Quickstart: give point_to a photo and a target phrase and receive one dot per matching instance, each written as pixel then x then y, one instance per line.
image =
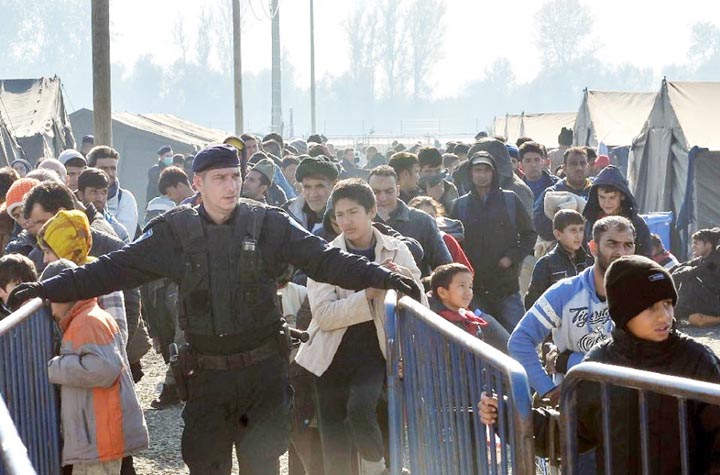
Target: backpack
pixel 463 212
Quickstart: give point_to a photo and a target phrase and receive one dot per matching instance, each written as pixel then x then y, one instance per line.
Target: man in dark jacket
pixel 407 169
pixel 610 196
pixel 533 158
pixel 498 237
pixel 407 221
pixel 165 159
pixel 576 181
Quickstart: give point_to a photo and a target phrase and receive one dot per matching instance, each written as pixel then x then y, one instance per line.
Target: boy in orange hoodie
pixel 102 421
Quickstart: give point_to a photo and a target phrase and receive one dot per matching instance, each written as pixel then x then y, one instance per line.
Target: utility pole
pixel 237 68
pixel 102 104
pixel 312 67
pixel 276 110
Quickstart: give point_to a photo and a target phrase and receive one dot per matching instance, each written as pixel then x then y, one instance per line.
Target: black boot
pixel 168 397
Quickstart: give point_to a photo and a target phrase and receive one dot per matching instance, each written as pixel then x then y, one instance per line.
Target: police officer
pixel 225 255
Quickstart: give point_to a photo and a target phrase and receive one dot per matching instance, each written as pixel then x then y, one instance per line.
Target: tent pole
pixel 102 107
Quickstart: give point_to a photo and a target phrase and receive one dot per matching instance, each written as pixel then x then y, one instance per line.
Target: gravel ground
pixel 163 455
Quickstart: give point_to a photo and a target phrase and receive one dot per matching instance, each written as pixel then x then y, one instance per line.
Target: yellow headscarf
pixel 67 235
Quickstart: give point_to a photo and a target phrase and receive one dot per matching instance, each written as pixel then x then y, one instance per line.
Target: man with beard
pixel 574 310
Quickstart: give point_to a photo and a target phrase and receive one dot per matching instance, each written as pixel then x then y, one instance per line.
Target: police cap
pixel 215 156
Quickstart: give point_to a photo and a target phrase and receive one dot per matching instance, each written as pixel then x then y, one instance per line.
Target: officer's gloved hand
pixel 403 284
pixel 24 292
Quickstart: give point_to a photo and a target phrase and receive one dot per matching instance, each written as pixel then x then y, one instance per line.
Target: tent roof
pixel 542 127
pixel 30 105
pixel 696 105
pixel 617 117
pixel 172 127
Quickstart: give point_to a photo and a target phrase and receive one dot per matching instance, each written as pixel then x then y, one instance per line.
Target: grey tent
pixel 675 161
pixel 9 148
pixel 34 111
pixel 138 137
pixel 611 117
pixel 542 127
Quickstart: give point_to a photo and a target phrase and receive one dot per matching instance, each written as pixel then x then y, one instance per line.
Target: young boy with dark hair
pixel 567 259
pixel 641 298
pixel 14 270
pixel 450 297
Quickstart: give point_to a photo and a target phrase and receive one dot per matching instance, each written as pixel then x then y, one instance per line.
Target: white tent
pixel 675 161
pixel 541 127
pixel 611 117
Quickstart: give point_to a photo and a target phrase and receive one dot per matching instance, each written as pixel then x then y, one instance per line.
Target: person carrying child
pixel 100 414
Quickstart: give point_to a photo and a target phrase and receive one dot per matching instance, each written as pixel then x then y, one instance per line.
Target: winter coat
pixel 296 209
pixel 490 236
pixel 334 309
pixel 422 227
pixel 611 176
pixel 100 412
pixel 553 267
pixel 543 224
pixel 679 355
pixel 698 283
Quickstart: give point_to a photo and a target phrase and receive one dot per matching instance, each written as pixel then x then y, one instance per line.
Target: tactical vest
pixel 225 289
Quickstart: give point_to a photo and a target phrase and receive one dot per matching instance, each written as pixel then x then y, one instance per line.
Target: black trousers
pixel 347 398
pixel 247 409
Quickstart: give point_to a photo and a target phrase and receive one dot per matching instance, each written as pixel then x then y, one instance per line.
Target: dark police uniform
pixel 238 394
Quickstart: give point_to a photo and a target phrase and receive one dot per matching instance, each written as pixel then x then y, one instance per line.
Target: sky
pixel 647 33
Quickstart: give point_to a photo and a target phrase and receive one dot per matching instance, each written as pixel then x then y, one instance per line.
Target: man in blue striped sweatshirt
pixel 573 310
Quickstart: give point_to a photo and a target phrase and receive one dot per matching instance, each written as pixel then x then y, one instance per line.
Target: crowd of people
pixel 540 253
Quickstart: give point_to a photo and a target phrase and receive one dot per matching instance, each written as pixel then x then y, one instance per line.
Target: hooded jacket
pixel 611 176
pixel 490 236
pixel 507 179
pixel 679 355
pixel 101 415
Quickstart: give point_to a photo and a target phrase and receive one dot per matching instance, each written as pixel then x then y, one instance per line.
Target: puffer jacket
pixel 679 355
pixel 611 176
pixel 335 309
pixel 100 412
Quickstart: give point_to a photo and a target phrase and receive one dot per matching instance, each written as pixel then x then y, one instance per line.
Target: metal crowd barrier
pixel 26 345
pixel 644 382
pixel 436 373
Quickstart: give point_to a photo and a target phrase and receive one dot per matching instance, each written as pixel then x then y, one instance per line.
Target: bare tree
pixel 426 34
pixel 222 29
pixel 180 38
pixel 563 32
pixel 360 28
pixel 203 45
pixel 704 41
pixel 393 51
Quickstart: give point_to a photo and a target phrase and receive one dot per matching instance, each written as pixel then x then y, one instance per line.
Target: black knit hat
pixel 633 284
